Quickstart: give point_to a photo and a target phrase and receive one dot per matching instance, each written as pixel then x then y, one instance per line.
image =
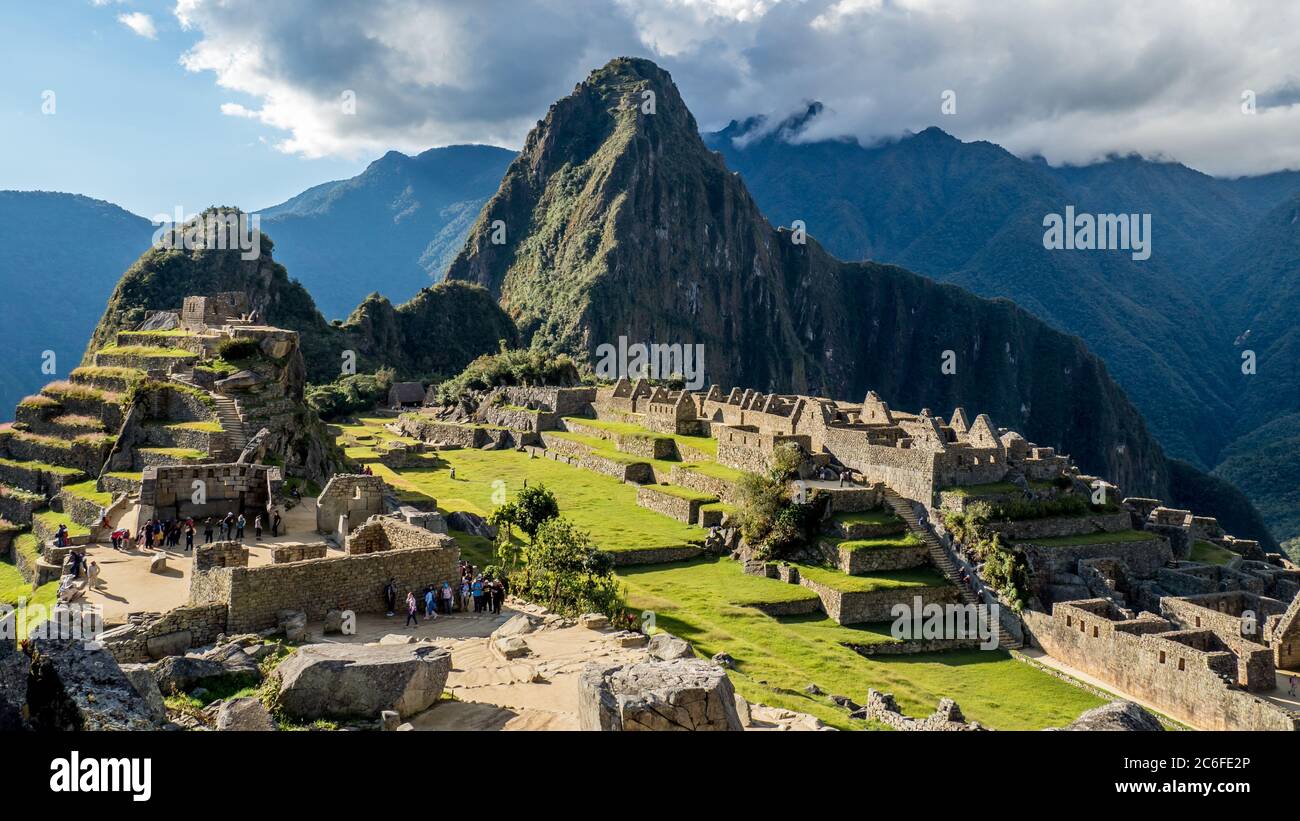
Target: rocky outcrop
pixel 657 695
pixel 74 687
pixel 361 680
pixel 1117 715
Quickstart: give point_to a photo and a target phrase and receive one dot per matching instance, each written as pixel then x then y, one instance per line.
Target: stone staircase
pixel 942 561
pixel 232 422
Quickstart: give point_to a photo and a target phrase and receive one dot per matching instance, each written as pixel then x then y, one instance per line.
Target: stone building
pixel 354 495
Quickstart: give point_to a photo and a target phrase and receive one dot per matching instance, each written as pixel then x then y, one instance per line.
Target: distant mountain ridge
pixel 971 214
pixel 619 221
pixel 394 227
pixel 59 257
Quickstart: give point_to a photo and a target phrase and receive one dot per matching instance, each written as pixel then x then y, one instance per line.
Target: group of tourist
pixel 159 533
pixel 476 591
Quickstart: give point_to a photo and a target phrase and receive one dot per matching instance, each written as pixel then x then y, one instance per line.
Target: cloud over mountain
pixel 1073 82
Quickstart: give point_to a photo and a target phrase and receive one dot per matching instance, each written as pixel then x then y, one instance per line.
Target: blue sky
pixel 131 124
pixel 237 102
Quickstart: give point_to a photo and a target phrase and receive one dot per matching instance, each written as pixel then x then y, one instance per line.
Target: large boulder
pixel 245 714
pixel 362 680
pixel 1117 715
pixel 683 694
pixel 74 686
pixel 520 624
pixel 141 678
pixel 293 623
pixel 666 647
pixel 471 523
pixel 181 674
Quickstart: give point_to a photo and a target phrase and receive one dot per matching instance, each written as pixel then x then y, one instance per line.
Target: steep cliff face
pixel 617 220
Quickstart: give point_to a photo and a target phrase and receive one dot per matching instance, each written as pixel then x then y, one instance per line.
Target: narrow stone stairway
pixel 233 424
pixel 942 562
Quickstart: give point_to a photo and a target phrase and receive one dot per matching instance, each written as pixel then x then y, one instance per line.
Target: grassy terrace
pixel 705 443
pixel 211 426
pixel 1093 538
pixel 917 577
pixel 87 491
pixel 682 492
pixel 185 454
pixel 598 503
pixel 992 488
pixel 868 517
pixel 146 351
pixel 881 543
pixel 58 469
pixel 1210 553
pixel 703 602
pixel 52 519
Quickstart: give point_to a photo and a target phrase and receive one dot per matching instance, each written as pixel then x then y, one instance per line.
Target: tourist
pixel 447 596
pixel 240 524
pixel 412 612
pixel 390 597
pixel 1292 685
pixel 498 596
pixel 275 523
pixel 61 537
pixel 74 564
pixel 225 527
pixel 430 608
pixel 207 530
pixel 477 590
pixel 189 535
pixel 464 595
pixel 257 528
pixel 453 472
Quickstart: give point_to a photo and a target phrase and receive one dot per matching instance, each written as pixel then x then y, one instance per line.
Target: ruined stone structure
pixel 354 495
pixel 252 597
pixel 1194 676
pixel 169 491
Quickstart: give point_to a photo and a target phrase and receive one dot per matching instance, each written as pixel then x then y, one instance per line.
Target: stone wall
pixel 150 636
pixel 908 471
pixel 874 606
pixel 703 483
pixel 1141 659
pixel 169 490
pixel 286 552
pixel 1143 558
pixel 352 494
pixel 670 505
pixel 1046 528
pixel 255 595
pixel 876 559
pixel 220 554
pixel 380 533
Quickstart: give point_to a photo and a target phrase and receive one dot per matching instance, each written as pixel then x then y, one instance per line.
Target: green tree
pixel 565 573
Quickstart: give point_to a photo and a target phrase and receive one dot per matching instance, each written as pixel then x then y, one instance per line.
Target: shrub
pixel 531 507
pixel 565 573
pixel 233 350
pixel 350 394
pixel 510 367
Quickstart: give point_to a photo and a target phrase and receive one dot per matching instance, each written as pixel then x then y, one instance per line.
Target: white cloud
pixel 1070 81
pixel 139 22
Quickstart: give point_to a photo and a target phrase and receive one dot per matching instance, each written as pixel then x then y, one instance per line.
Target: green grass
pixel 51 519
pixel 881 543
pixel 1203 551
pixel 1093 538
pixel 210 426
pixel 107 372
pixel 917 577
pixel 868 517
pixel 146 351
pixel 992 488
pixel 778 657
pixel 600 504
pixel 42 466
pixel 87 491
pixel 706 444
pixel 186 454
